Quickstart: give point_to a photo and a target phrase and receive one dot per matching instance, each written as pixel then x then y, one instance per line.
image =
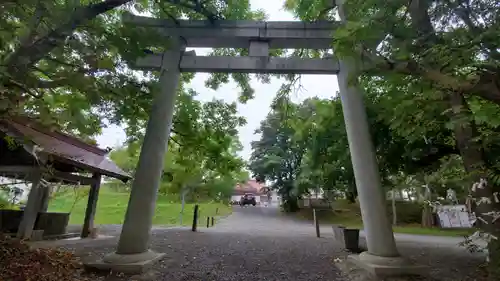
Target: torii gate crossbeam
pixel 192 63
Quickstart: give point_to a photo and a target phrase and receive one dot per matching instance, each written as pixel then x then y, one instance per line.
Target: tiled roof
pixel 70 149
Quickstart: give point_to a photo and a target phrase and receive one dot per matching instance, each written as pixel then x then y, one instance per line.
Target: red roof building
pixel 250 186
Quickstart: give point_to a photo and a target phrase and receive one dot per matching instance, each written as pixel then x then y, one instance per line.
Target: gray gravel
pixel 253 250
pixel 259 243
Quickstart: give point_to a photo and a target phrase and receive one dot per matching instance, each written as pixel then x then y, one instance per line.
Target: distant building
pixel 259 190
pixel 315 194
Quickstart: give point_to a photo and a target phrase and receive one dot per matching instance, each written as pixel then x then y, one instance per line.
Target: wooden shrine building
pixel 42 156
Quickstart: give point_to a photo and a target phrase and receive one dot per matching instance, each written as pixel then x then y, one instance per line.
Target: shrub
pixel 407 212
pixel 5 204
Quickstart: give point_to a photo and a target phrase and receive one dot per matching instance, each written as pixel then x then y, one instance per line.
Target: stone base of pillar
pixel 129 264
pixel 382 267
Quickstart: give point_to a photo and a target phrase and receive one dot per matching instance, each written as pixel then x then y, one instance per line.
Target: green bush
pixel 5 204
pixel 407 212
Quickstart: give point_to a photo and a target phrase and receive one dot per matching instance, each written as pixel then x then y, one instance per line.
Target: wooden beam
pixel 48 174
pixel 88 223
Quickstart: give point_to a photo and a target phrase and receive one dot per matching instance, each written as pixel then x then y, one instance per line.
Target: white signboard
pixel 454 216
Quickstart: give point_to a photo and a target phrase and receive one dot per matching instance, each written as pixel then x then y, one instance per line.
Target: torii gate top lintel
pixel 182 23
pixel 238 33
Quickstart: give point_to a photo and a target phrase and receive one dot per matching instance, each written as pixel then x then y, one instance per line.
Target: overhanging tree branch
pixel 25 56
pixel 19 62
pixel 483 84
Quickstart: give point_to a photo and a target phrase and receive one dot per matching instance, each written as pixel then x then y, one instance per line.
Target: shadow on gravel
pixel 260 243
pixel 220 256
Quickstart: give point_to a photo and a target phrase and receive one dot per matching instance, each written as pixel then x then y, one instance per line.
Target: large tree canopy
pixel 204 156
pixel 431 69
pixel 65 62
pixel 452 45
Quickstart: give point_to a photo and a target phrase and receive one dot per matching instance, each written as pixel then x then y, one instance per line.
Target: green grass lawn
pixel 112 205
pixel 350 217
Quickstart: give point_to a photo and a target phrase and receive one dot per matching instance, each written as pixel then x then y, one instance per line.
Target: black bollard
pixel 213 221
pixel 208 222
pixel 195 218
pixel 316 223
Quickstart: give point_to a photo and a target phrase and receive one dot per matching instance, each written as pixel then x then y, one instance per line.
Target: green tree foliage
pixel 202 158
pixel 312 136
pixel 66 62
pixel 277 156
pixel 453 44
pixel 436 65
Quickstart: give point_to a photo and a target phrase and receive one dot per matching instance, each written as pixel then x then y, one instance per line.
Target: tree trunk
pixel 394 213
pixel 483 191
pixel 351 197
pixel 427 218
pixel 30 53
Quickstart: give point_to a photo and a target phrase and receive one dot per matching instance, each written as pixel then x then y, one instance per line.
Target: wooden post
pixel 88 222
pixel 45 191
pixel 208 222
pixel 213 221
pixel 30 213
pixel 316 223
pixel 195 217
pixel 216 211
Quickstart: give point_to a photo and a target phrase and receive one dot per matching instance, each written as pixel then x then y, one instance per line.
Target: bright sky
pixel 256 109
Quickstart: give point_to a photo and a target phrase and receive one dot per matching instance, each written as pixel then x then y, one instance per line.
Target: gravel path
pixel 259 243
pixel 247 253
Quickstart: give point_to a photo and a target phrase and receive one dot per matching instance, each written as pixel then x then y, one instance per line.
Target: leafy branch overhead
pixel 430 70
pixel 69 59
pixel 203 155
pixel 66 64
pixel 451 44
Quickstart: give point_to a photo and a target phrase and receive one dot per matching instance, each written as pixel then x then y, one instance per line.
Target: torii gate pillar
pixel 382 258
pixel 133 254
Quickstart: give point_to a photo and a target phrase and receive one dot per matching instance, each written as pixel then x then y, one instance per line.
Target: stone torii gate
pixel 133 252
